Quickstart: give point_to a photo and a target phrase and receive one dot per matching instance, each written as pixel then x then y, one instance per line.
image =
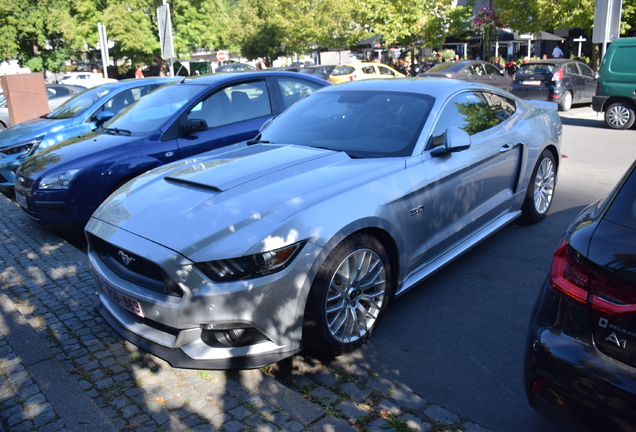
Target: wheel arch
pixel 619 99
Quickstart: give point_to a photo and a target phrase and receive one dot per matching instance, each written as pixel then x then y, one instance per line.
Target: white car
pixel 85 79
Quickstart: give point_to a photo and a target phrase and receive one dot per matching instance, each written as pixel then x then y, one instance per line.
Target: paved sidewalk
pixel 63 368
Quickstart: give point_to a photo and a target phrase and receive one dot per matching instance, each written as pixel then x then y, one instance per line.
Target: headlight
pixel 60 180
pixel 28 148
pixel 251 266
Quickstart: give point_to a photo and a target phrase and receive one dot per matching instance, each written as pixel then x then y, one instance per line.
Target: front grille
pixel 51 209
pixel 135 268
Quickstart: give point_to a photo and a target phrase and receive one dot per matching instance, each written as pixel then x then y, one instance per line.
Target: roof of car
pixel 134 82
pixel 228 76
pixel 431 86
pixel 555 61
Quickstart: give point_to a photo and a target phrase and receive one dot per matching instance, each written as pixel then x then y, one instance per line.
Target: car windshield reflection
pixel 151 112
pixel 79 103
pixel 363 124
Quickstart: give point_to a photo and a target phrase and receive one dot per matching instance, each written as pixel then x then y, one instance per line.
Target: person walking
pixel 557 52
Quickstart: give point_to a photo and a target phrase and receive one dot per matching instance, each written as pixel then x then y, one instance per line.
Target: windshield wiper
pixel 257 140
pixel 115 131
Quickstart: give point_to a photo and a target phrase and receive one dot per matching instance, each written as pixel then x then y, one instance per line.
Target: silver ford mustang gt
pixel 238 257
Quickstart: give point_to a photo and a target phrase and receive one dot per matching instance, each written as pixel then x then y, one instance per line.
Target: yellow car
pixel 360 71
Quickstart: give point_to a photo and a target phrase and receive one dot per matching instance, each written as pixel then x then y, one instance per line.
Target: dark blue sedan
pixel 60 187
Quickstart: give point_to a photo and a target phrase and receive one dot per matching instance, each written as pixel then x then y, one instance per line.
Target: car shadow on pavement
pixel 583 122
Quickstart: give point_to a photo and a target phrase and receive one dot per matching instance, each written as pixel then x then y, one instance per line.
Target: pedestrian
pixel 557 52
pixel 139 73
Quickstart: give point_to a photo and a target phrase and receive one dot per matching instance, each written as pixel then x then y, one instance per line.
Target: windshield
pixel 361 123
pixel 150 112
pixel 539 68
pixel 79 103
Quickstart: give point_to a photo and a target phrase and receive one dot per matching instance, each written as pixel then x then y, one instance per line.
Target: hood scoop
pixel 242 165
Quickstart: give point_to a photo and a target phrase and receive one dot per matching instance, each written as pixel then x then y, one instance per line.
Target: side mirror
pixel 455 140
pixel 103 117
pixel 195 125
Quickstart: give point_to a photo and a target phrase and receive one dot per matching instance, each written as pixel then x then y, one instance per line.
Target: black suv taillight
pixel 572 276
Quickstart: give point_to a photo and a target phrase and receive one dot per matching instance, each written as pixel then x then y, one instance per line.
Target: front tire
pixel 540 189
pixel 348 296
pixel 619 116
pixel 566 101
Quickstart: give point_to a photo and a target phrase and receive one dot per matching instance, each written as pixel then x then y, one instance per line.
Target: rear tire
pixel 566 101
pixel 540 189
pixel 619 116
pixel 348 296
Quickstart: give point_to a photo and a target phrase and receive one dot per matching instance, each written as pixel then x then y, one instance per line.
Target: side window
pixel 470 111
pixel 571 68
pixel 233 104
pixel 491 70
pixel 385 71
pixel 294 90
pixel 368 70
pixel 503 107
pixel 123 99
pixel 586 70
pixel 478 69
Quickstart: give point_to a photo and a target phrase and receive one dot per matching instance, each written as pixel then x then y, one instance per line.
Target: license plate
pixel 532 83
pixel 21 199
pixel 129 303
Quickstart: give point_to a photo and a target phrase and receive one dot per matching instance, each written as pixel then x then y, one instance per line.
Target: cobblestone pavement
pixel 63 368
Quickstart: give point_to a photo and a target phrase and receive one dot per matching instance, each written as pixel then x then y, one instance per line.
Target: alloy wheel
pixel 356 294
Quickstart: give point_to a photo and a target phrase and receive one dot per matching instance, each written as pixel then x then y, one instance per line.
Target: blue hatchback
pixel 60 187
pixel 80 114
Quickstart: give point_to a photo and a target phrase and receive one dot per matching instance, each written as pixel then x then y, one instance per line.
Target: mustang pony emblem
pixel 125 258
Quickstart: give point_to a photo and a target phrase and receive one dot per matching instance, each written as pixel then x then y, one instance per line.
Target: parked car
pixel 286 68
pixel 580 360
pixel 231 258
pixel 56 93
pixel 85 79
pixel 563 81
pixel 61 186
pixel 320 70
pixel 471 70
pixel 235 67
pixel 60 93
pixel 616 89
pixel 362 71
pixel 84 112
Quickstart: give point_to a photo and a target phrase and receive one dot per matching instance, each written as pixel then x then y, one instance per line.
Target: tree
pixel 36 32
pixel 271 28
pixel 407 21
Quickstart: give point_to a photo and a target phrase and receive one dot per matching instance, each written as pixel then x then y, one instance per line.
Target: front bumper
pixel 8 165
pixel 567 379
pixel 181 326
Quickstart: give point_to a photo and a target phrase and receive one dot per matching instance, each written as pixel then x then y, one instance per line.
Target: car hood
pixel 31 129
pixel 229 204
pixel 77 152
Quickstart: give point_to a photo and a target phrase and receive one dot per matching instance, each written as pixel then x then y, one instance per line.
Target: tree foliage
pixel 533 15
